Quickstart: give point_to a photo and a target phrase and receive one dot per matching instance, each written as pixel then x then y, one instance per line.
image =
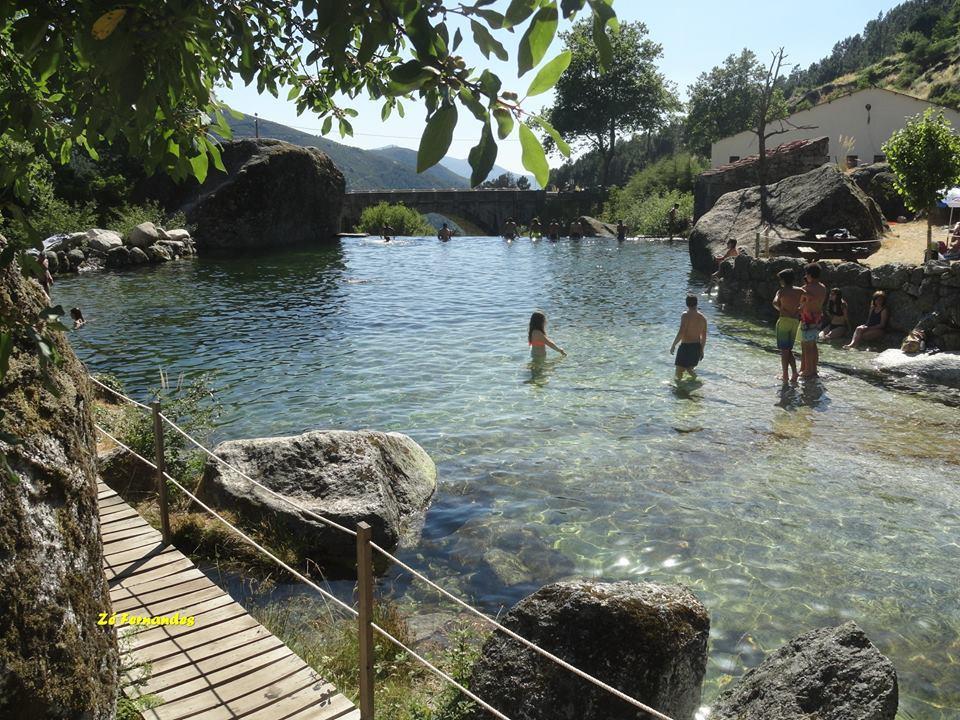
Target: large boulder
pixel 798 207
pixel 55 660
pixel 597 228
pixel 877 181
pixel 102 240
pixel 941 368
pixel 144 235
pixel 273 195
pixel 384 479
pixel 827 674
pixel 647 640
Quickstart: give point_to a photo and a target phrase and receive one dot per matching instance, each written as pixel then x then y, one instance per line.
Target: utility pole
pixel 256 124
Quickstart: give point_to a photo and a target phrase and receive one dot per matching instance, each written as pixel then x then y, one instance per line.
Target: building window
pixel 733 158
pixel 852 161
pixel 879 158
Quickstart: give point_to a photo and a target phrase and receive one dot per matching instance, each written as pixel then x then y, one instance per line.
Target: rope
pixel 118 394
pixel 545 653
pixel 246 537
pixel 242 474
pixel 437 671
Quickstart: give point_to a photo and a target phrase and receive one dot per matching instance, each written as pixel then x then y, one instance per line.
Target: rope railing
pixel 247 538
pixel 362 539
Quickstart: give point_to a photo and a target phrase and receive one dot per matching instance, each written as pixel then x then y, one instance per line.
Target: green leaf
pixel 48 314
pixel 519 11
pixel 504 120
pixel 436 137
pixel 457 39
pixel 549 74
pixel 385 112
pixel 345 128
pixel 537 38
pixel 294 91
pixel 473 105
pixel 327 123
pixel 493 18
pixel 562 145
pixel 490 84
pixel 487 42
pixel 199 165
pixel 482 156
pixel 532 155
pixel 602 41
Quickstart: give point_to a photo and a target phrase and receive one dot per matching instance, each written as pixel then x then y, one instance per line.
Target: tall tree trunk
pixel 928 253
pixel 608 155
pixel 762 170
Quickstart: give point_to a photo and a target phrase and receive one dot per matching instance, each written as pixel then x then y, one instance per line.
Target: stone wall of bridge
pixel 488 209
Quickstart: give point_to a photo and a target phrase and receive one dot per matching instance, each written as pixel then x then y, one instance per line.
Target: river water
pixel 783 510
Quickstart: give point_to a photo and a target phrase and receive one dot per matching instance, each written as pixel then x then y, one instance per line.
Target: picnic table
pixel 824 248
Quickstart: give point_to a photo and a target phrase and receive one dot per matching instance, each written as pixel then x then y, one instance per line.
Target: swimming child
pixel 445 233
pixel 77 316
pixel 537 336
pixel 692 337
pixel 536 231
pixel 787 303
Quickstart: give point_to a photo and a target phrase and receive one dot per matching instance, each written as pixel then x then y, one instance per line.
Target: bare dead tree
pixel 767 114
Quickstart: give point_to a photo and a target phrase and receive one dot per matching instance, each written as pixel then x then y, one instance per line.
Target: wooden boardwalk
pixel 225 666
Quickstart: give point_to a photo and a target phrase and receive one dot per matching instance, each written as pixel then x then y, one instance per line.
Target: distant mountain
pixel 363 169
pixel 462 167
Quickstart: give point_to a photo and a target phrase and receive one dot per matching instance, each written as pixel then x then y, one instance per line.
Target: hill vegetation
pixel 384 169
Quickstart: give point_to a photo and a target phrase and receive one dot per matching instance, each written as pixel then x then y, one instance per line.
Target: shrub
pixel 403 220
pixel 128 216
pixel 650 215
pixel 907 42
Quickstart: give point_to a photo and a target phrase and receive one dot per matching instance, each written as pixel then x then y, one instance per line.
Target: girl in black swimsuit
pixel 837 323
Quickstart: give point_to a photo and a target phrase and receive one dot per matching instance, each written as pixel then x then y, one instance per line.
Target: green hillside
pixel 363 169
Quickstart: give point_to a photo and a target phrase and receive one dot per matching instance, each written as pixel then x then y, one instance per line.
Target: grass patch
pixel 404 689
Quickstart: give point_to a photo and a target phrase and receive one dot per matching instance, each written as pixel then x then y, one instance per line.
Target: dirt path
pixel 904 243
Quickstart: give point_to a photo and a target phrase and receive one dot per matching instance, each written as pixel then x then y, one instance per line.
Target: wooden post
pixel 364 618
pixel 161 480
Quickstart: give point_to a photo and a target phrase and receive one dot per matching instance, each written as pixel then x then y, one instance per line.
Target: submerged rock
pixel 799 206
pixel 384 479
pixel 827 674
pixel 645 639
pixel 55 660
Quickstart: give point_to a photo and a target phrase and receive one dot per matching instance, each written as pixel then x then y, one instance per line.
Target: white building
pixel 864 120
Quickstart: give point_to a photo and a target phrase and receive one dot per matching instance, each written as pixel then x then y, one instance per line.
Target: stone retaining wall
pixel 925 295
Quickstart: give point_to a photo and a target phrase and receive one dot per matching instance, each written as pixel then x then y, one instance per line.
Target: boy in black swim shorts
pixel 692 337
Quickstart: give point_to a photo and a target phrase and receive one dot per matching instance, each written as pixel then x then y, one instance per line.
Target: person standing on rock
pixel 692 337
pixel 811 318
pixel 672 220
pixel 787 303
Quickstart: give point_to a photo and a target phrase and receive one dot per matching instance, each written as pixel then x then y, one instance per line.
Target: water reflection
pixel 541 368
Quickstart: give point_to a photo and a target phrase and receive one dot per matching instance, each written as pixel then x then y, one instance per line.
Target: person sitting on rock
pixel 953 252
pixel 836 319
pixel 876 324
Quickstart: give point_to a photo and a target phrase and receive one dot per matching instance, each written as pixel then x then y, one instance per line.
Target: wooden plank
pixel 227 665
pixel 219 611
pixel 127 544
pixel 132 557
pixel 206 635
pixel 229 671
pixel 122 591
pixel 146 574
pixel 317 700
pixel 232 699
pixel 214 655
pixel 142 598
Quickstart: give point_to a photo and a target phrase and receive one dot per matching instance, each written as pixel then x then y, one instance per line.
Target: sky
pixel 696 36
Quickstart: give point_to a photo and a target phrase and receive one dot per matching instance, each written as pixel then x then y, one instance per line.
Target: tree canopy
pixel 924 157
pixel 723 102
pixel 606 93
pixel 91 74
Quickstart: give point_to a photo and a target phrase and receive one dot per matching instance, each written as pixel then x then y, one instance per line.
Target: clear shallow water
pixel 784 510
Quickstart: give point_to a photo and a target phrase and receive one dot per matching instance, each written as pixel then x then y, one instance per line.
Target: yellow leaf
pixel 107 23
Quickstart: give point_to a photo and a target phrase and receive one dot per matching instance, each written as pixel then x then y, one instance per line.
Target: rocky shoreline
pixel 96 248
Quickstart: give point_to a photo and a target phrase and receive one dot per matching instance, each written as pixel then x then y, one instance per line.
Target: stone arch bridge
pixel 487 209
